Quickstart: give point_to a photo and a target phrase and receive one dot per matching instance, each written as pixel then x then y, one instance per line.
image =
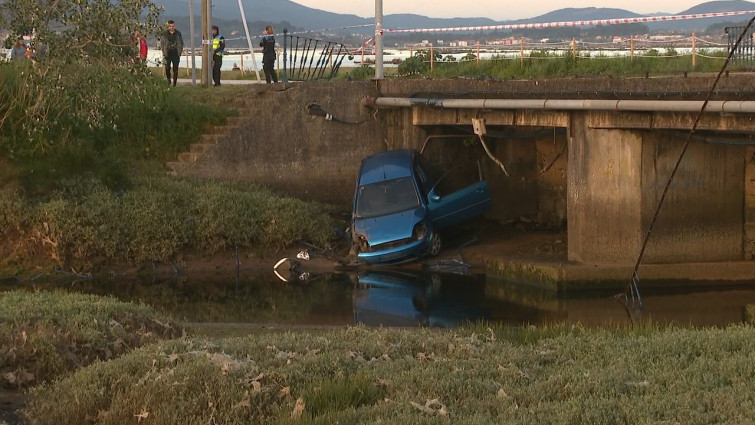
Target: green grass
pixel 45 335
pixel 86 224
pixel 550 66
pixel 94 357
pixel 137 131
pixel 473 375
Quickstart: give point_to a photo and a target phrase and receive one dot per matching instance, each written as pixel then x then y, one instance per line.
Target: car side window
pixel 458 177
pixel 424 185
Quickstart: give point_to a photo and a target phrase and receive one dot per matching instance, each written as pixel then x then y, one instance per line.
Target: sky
pixel 498 10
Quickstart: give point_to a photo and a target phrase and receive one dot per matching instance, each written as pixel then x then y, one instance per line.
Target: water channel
pixel 235 305
pixel 406 298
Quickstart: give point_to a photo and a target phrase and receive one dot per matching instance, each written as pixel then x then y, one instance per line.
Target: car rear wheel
pixel 435 244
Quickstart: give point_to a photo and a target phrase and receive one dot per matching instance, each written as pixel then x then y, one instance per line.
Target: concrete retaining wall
pixel 285 147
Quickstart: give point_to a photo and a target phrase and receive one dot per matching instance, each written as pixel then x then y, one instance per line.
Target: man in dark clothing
pixel 19 50
pixel 172 45
pixel 268 55
pixel 218 50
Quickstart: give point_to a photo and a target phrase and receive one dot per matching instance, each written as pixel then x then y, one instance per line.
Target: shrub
pixel 227 216
pixel 13 211
pixel 86 224
pixel 85 77
pixel 362 73
pixel 339 394
pixel 357 375
pixel 286 220
pixel 156 225
pixel 80 224
pixel 413 65
pixel 48 334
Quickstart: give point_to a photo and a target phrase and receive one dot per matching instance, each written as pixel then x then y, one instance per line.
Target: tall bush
pixel 83 75
pixel 86 224
pixel 12 211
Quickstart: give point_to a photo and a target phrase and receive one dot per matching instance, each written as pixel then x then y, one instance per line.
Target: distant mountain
pixel 596 13
pixel 266 11
pixel 580 14
pixel 709 7
pixel 294 15
pixel 720 6
pixel 401 21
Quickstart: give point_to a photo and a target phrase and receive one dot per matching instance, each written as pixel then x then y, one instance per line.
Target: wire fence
pixel 629 46
pixel 711 48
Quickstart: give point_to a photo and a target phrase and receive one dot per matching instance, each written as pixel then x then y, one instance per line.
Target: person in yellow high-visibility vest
pixel 218 50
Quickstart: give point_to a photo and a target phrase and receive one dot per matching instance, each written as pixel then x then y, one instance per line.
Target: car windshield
pixel 386 197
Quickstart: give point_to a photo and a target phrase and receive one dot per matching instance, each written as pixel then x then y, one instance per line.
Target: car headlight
pixel 420 231
pixel 363 244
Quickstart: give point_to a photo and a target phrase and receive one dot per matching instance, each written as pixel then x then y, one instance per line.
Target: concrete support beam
pixel 701 218
pixel 616 178
pixel 743 123
pixel 603 196
pixel 524 117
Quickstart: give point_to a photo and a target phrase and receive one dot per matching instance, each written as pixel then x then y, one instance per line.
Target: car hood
pixel 389 228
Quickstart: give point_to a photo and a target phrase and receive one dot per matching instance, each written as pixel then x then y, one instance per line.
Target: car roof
pixel 386 166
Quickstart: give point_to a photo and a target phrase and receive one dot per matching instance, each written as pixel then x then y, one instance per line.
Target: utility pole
pixel 249 40
pixel 191 44
pixel 379 39
pixel 209 43
pixel 205 31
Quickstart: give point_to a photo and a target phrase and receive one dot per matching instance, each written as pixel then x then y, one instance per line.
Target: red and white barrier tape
pixel 642 19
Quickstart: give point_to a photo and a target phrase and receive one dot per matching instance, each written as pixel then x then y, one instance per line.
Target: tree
pixel 83 73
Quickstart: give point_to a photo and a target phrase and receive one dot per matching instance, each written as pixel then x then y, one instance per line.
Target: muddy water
pixel 406 298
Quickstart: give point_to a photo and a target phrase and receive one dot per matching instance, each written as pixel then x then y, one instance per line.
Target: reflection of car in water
pixel 398 209
pixel 401 298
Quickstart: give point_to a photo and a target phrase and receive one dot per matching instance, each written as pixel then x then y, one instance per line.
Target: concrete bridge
pixel 589 154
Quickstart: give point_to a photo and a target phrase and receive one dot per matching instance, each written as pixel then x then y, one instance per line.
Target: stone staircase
pixel 207 142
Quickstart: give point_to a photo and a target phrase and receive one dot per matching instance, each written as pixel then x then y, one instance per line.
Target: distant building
pixel 671 37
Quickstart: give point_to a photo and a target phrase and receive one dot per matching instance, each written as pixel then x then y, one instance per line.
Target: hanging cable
pixel 633 291
pixel 316 110
pixel 478 125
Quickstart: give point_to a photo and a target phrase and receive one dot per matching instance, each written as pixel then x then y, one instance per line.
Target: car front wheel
pixel 435 244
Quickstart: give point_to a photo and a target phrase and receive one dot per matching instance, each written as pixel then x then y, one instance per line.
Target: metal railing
pixel 744 55
pixel 311 59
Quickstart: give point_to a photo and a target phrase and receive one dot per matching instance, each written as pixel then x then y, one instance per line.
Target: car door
pixel 461 204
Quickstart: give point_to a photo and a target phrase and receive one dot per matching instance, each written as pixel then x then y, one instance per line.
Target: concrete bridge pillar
pixel 749 234
pixel 616 177
pixel 603 196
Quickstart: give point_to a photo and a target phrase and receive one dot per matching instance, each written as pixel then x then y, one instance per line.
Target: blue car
pixel 388 297
pixel 398 209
